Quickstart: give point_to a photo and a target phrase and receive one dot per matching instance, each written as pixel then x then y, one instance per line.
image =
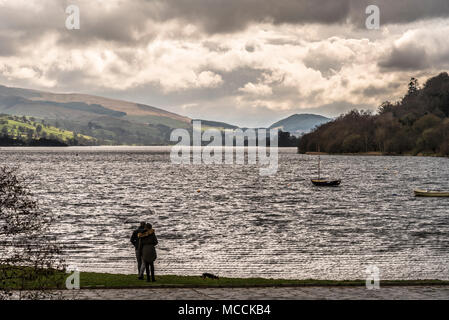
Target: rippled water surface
pixel 228 220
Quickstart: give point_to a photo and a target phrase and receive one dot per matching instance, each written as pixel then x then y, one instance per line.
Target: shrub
pixel 29 258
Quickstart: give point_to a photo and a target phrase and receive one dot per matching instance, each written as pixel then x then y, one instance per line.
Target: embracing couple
pixel 144 241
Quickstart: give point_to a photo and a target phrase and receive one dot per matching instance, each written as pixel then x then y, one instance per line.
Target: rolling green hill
pixel 109 121
pixel 26 129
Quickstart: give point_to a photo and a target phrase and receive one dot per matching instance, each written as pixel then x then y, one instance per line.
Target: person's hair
pixel 148 226
pixel 142 224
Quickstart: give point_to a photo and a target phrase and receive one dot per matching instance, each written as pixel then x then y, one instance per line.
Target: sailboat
pixel 322 182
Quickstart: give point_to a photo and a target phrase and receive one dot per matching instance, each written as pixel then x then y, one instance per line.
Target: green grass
pixel 13 125
pixel 52 280
pixel 106 280
pixel 12 277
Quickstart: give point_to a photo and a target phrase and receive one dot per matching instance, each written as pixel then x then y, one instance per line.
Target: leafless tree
pixel 31 260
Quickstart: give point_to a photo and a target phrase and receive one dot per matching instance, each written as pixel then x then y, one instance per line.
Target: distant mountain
pixel 109 121
pixel 298 124
pixel 89 104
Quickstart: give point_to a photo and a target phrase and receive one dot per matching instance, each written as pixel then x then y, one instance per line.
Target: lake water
pixel 242 224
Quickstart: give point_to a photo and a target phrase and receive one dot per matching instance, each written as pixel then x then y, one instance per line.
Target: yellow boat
pixel 426 193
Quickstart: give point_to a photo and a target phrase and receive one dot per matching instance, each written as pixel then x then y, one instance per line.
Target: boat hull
pixel 326 183
pixel 425 193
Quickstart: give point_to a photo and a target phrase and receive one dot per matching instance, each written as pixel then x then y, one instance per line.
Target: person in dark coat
pixel 135 242
pixel 147 243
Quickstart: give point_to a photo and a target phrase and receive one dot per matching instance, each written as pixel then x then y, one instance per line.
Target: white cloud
pixel 208 79
pixel 257 89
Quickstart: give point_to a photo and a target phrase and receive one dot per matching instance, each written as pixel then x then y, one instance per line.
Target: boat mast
pixel 319 167
pixel 319 164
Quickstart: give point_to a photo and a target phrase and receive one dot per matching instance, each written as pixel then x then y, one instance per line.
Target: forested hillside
pixel 28 131
pixel 109 121
pixel 417 124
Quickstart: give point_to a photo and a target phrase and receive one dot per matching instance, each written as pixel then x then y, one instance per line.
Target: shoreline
pixel 142 147
pixel 106 281
pixel 375 154
pixel 91 280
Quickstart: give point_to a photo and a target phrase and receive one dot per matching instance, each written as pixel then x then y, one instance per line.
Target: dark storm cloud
pixel 400 11
pixel 373 91
pixel 222 16
pixel 407 57
pixel 68 79
pixel 128 24
pixel 132 22
pixel 8 46
pixel 19 28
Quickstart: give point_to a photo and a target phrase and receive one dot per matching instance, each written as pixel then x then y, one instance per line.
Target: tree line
pixel 416 124
pixel 29 132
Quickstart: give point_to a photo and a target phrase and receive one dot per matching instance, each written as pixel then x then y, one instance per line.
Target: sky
pixel 245 62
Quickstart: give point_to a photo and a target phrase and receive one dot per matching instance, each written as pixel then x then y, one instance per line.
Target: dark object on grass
pixel 209 276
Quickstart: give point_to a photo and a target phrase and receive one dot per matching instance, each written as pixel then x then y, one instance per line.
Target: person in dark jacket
pixel 135 242
pixel 147 243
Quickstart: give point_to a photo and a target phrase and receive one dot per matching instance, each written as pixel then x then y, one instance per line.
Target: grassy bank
pixel 27 278
pixel 105 280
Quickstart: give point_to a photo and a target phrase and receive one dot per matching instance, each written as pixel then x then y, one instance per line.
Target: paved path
pixel 284 293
